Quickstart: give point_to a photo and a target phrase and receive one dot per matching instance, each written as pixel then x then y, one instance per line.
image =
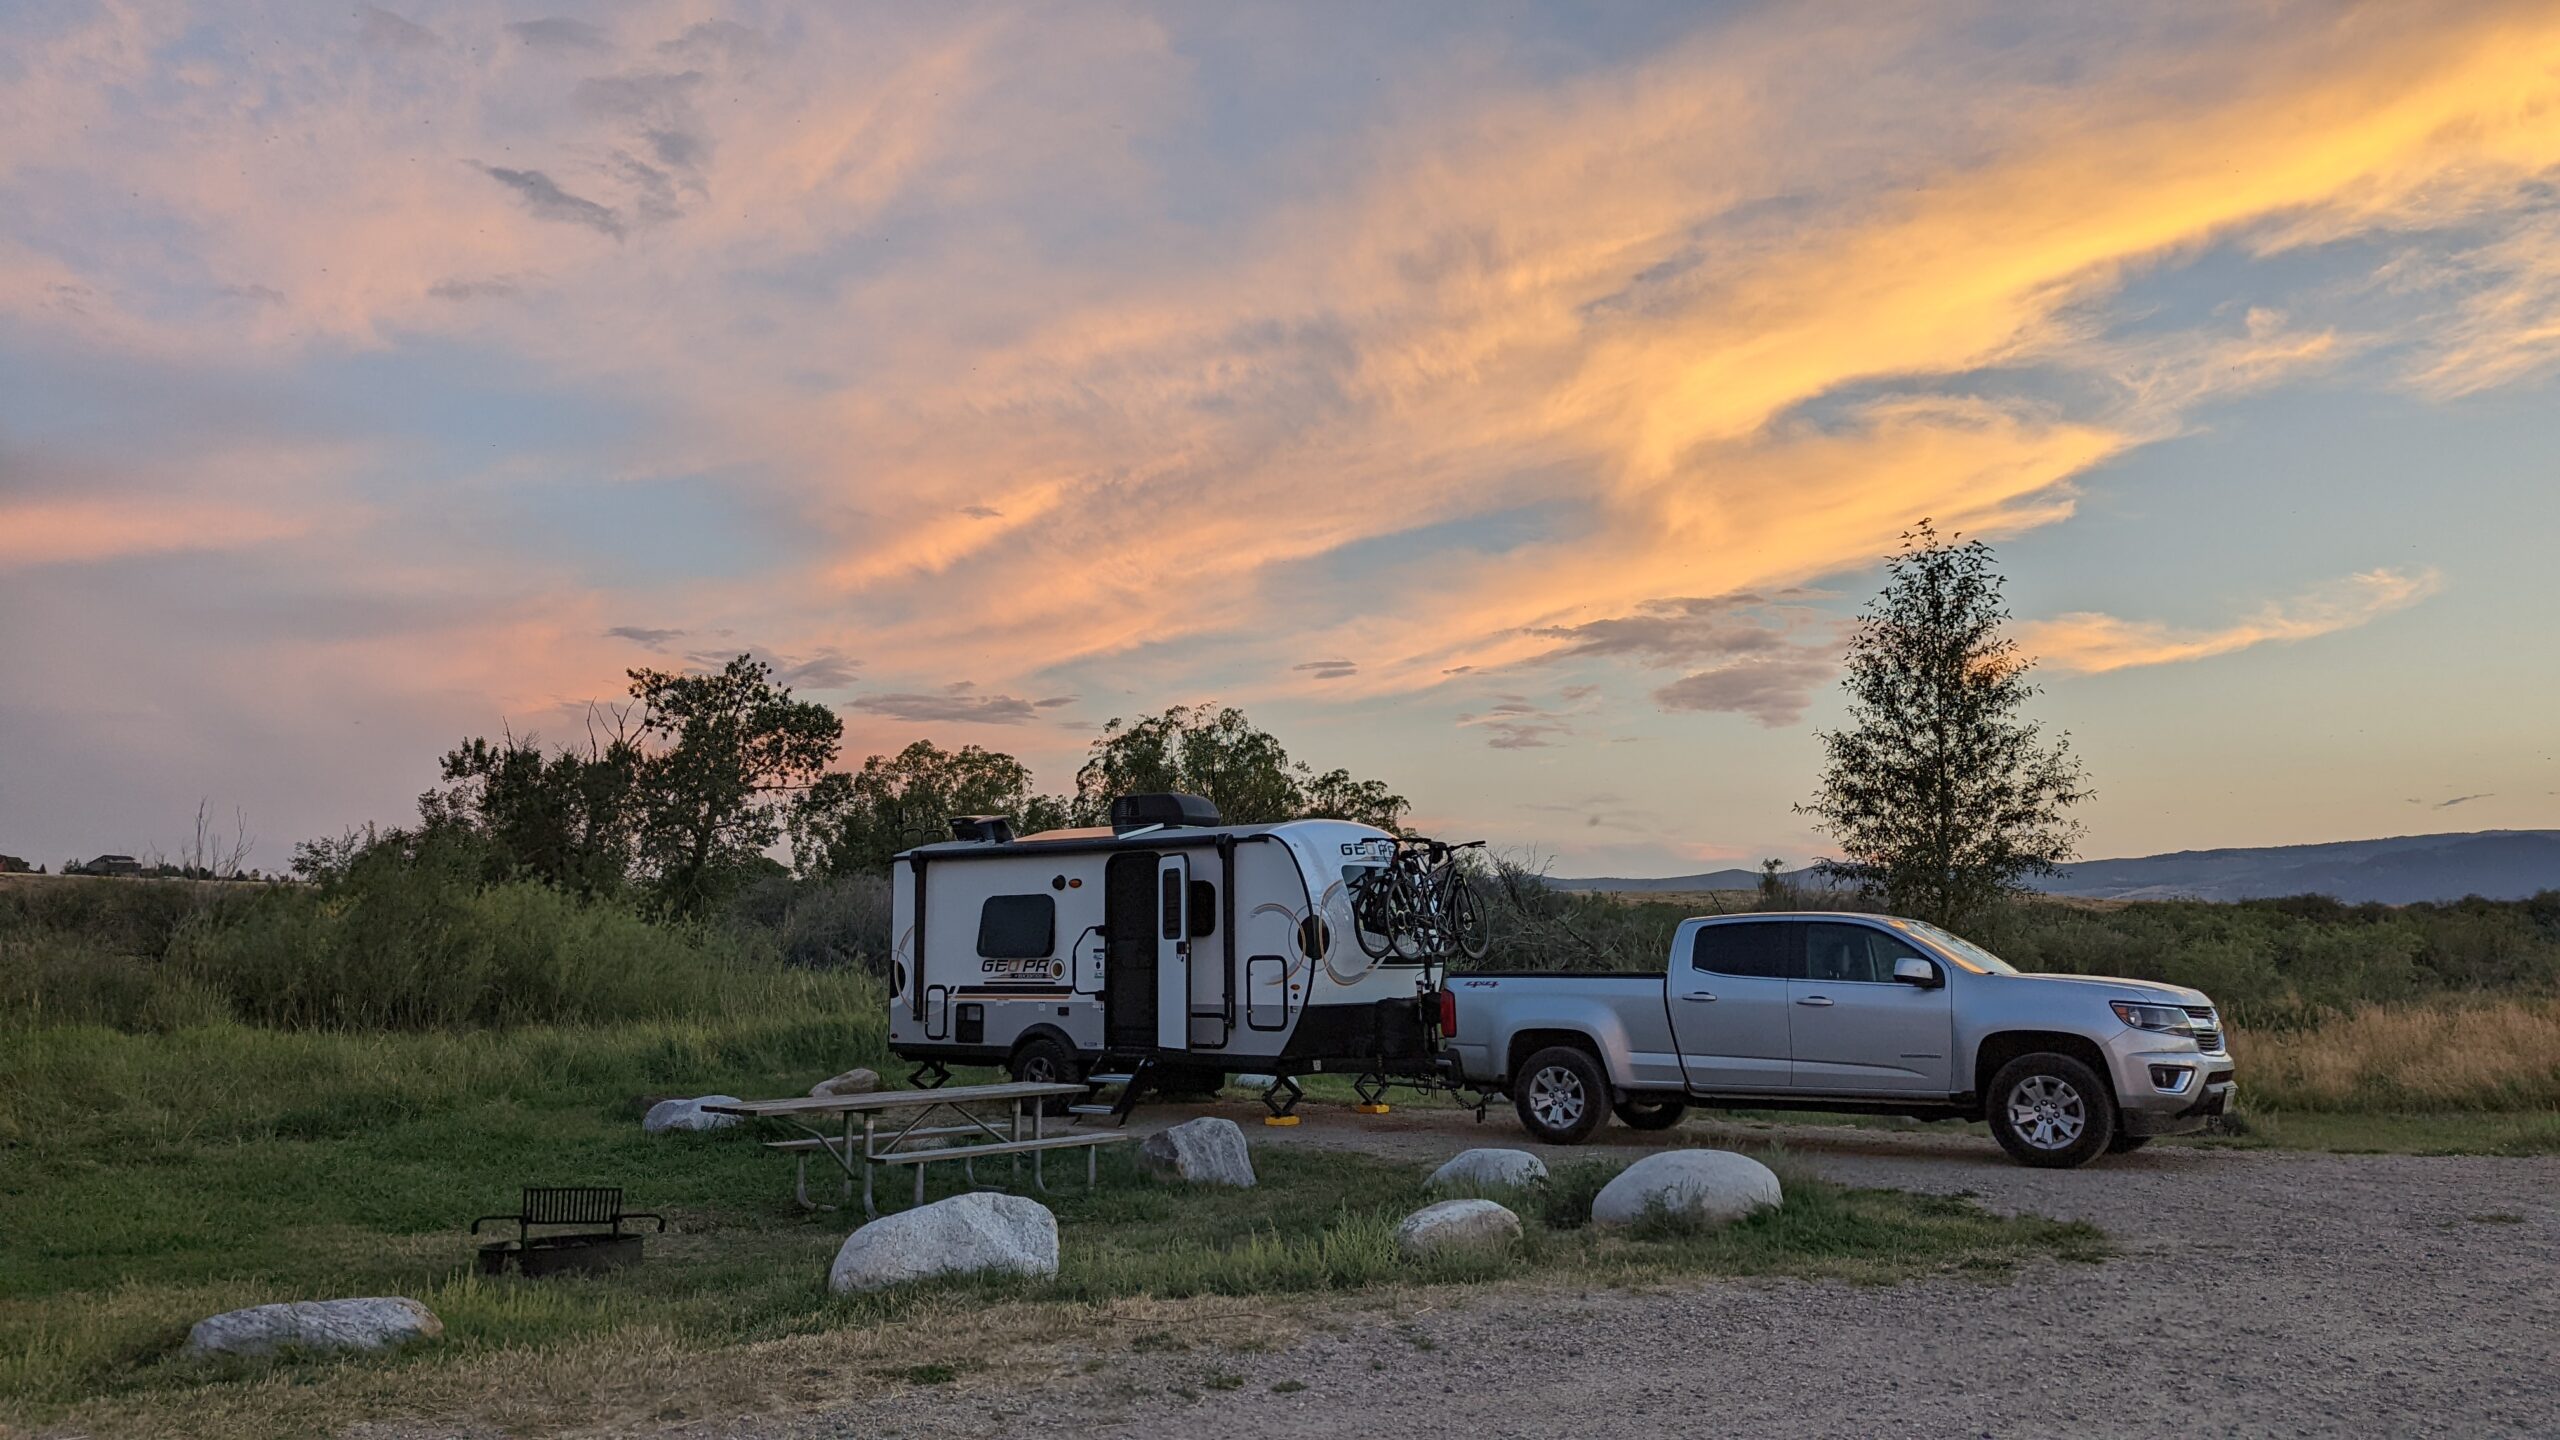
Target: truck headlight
pixel 2167 1019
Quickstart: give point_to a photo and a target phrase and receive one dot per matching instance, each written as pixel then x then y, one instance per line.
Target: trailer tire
pixel 1046 1059
pixel 1562 1095
pixel 1651 1114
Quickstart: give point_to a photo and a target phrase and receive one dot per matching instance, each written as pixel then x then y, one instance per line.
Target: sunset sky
pixel 1511 403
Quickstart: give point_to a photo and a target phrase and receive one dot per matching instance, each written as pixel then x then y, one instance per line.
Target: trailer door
pixel 1173 952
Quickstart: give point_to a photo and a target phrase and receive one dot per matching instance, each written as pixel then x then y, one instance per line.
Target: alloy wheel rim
pixel 2047 1112
pixel 1555 1097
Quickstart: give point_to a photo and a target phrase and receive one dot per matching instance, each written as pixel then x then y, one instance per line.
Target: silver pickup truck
pixel 1838 1011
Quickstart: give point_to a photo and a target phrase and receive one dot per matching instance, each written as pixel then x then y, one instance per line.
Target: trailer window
pixel 1018 927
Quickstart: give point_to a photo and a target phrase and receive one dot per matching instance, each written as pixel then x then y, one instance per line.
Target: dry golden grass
pixel 598 1386
pixel 2484 1055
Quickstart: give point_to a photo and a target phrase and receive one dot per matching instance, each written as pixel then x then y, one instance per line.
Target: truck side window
pixel 1758 949
pixel 1856 954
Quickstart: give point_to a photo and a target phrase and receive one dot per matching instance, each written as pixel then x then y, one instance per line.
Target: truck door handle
pixel 1700 995
pixel 1813 1000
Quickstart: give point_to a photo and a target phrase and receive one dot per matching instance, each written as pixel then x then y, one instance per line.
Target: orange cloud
pixel 41 532
pixel 2091 643
pixel 1713 318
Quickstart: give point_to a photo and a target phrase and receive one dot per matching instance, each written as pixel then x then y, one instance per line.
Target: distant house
pixel 112 865
pixel 12 865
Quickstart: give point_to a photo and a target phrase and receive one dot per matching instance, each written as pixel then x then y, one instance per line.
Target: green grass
pixel 2458 1132
pixel 152 1180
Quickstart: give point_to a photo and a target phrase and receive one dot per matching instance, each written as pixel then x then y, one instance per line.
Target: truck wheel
pixel 2051 1111
pixel 1651 1114
pixel 1045 1060
pixel 1561 1094
pixel 2127 1144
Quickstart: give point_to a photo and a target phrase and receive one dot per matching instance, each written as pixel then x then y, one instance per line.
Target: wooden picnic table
pixel 965 1130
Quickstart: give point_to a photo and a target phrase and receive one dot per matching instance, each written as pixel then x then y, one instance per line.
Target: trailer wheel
pixel 1651 1114
pixel 1562 1095
pixel 1046 1060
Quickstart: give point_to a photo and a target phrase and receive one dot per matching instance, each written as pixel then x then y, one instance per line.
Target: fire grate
pixel 584 1252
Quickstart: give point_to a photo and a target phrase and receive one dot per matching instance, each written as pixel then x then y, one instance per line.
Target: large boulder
pixel 671 1115
pixel 1457 1225
pixel 1490 1169
pixel 851 1082
pixel 382 1322
pixel 982 1230
pixel 1701 1186
pixel 1206 1151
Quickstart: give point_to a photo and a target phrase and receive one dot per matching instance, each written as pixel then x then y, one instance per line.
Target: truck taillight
pixel 1448 1015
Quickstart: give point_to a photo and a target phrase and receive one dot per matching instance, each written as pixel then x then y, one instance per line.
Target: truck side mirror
pixel 1912 970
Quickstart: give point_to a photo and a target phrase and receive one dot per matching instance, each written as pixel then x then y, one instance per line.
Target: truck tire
pixel 1651 1114
pixel 2127 1144
pixel 1045 1059
pixel 1562 1095
pixel 2050 1111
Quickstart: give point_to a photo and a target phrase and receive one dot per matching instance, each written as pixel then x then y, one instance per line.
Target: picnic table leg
pixel 869 1210
pixel 920 1180
pixel 1037 1123
pixel 844 1159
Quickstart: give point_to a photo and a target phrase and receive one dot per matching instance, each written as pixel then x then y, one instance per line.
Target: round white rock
pixel 377 1322
pixel 672 1115
pixel 1714 1186
pixel 851 1082
pixel 1457 1225
pixel 1504 1168
pixel 981 1230
pixel 1206 1151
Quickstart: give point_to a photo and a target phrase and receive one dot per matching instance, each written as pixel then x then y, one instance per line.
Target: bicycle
pixel 1419 906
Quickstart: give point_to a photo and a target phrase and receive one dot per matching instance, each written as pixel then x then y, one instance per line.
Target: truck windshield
pixel 1964 952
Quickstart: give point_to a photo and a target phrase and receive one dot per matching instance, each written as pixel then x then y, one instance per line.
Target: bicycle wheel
pixel 1373 921
pixel 1466 921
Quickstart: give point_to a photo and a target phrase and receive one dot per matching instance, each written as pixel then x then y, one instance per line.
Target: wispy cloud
pixel 959 704
pixel 651 636
pixel 547 201
pixel 561 33
pixel 2092 643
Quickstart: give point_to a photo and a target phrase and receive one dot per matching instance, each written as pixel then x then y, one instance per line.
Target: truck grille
pixel 2208 1028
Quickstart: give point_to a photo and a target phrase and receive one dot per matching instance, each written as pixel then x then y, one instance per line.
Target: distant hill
pixel 2498 864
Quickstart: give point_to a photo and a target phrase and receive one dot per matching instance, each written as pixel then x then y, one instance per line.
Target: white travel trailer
pixel 1168 944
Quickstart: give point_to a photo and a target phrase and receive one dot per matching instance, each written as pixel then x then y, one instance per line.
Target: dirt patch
pixel 2257 1292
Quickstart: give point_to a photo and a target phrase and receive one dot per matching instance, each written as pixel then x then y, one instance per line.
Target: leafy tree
pixel 569 819
pixel 721 754
pixel 1334 795
pixel 1223 756
pixel 850 824
pixel 1941 796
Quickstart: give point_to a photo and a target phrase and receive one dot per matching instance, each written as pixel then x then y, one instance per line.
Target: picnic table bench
pixel 956 1122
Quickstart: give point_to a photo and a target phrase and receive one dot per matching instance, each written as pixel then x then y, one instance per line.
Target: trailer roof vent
pixel 1137 812
pixel 990 829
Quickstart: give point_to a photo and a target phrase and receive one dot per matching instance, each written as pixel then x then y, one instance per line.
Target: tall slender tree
pixel 1941 795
